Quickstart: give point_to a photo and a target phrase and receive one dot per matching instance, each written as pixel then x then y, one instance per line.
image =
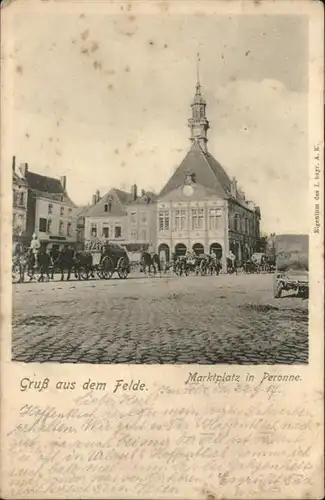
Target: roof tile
pixel 47 187
pixel 119 200
pixel 208 172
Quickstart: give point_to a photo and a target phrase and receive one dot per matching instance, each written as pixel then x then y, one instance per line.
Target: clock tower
pixel 198 123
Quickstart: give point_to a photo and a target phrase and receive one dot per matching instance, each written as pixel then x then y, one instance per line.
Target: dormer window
pixel 190 178
pixel 108 205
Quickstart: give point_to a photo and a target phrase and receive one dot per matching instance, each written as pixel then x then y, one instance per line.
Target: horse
pixel 83 261
pixel 231 266
pixel 44 263
pixel 31 264
pixel 251 267
pixel 166 266
pixel 149 261
pixel 66 261
pixel 214 266
pixel 181 266
pixel 54 253
pixel 202 264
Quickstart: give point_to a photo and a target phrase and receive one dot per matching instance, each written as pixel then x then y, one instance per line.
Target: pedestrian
pixel 45 262
pixel 35 248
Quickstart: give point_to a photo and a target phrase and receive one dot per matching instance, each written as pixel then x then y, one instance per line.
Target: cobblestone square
pixel 206 320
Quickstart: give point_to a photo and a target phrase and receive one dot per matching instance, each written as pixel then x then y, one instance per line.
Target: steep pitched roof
pixel 82 210
pixel 123 196
pixel 208 172
pixel 118 198
pixel 44 183
pixel 47 187
pixel 200 193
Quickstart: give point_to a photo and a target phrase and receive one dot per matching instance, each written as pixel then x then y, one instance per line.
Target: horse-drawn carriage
pixel 258 263
pixel 291 264
pixel 108 258
pixel 103 261
pixel 200 265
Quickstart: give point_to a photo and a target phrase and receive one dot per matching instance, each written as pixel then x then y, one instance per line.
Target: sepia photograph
pixel 159 184
pixel 162 326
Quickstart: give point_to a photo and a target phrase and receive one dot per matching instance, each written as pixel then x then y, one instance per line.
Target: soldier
pixel 45 262
pixel 35 247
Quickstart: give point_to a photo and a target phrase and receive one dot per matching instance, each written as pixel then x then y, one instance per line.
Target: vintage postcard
pixel 162 326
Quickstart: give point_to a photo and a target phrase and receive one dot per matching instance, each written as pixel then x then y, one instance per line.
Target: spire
pixel 198 123
pixel 198 96
pixel 198 70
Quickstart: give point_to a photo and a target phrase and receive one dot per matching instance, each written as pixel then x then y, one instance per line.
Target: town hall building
pixel 200 208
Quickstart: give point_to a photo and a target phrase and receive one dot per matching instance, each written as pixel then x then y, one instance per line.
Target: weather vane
pixel 198 68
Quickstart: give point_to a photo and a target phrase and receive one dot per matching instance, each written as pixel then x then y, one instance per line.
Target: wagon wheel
pixel 107 268
pixel 122 268
pixel 84 273
pixel 99 272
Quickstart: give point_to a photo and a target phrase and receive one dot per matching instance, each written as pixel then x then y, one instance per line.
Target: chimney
pixel 134 192
pixel 24 169
pixel 97 196
pixel 94 199
pixel 63 180
pixel 234 187
pixel 13 163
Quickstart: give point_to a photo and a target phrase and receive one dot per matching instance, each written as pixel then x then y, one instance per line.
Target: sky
pixel 105 99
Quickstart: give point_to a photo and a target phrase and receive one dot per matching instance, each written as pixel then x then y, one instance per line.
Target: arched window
pixel 180 249
pixel 198 248
pixel 106 208
pixel 216 248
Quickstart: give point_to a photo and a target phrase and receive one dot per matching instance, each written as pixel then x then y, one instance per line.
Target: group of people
pixel 198 263
pixel 36 257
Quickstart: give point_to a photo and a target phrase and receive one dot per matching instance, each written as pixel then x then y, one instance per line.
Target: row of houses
pixel 41 205
pixel 199 208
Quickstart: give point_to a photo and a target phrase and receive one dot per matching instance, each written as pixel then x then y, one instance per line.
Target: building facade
pixel 50 212
pixel 125 218
pixel 200 208
pixel 142 217
pixel 19 204
pixel 106 219
pixel 81 222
